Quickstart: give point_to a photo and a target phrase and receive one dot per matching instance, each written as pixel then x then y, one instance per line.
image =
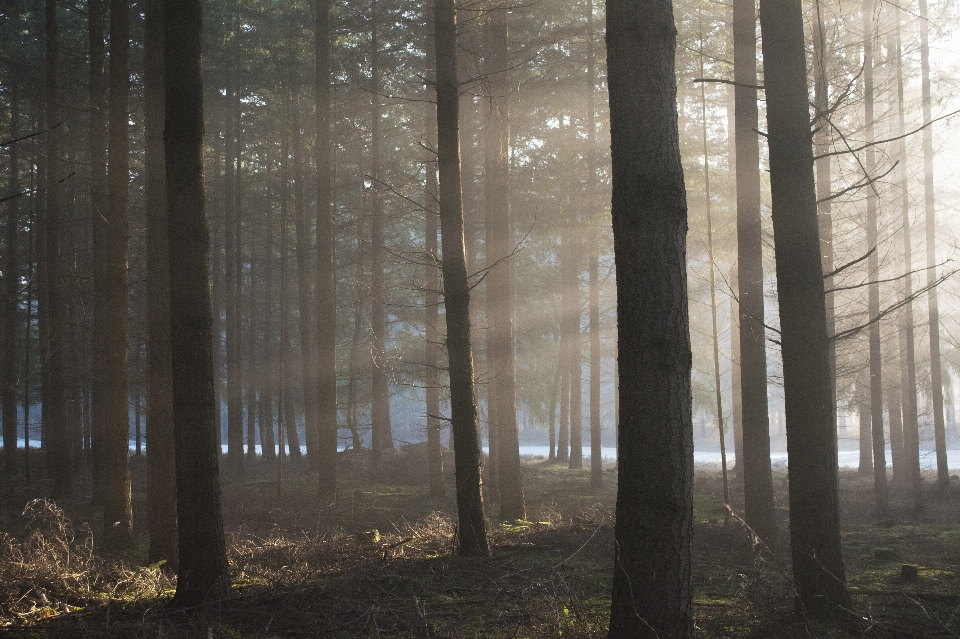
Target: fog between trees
pixel 342 319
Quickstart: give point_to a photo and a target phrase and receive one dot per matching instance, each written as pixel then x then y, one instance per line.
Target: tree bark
pixel 11 294
pixel 471 532
pixel 757 474
pixel 873 274
pixel 202 574
pixel 652 589
pixel 160 461
pixel 908 362
pixel 326 365
pixel 231 252
pixel 596 457
pixel 812 471
pixel 55 437
pixel 933 307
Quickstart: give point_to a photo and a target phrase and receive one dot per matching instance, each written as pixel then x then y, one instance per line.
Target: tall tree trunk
pixel 55 436
pixel 563 436
pixel 757 474
pixel 253 354
pixel 821 142
pixel 96 10
pixel 908 361
pixel 500 286
pixel 326 366
pixel 28 336
pixel 652 590
pixel 865 466
pixel 269 352
pixel 11 294
pixel 286 405
pixel 431 286
pixel 111 388
pixel 873 275
pixel 471 532
pixel 933 309
pixel 380 410
pixel 811 445
pixel 304 284
pixel 231 251
pixel 160 461
pixel 713 287
pixel 202 574
pixel 596 457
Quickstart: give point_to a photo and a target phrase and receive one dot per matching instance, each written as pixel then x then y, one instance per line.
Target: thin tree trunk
pixel 96 10
pixel 652 589
pixel 11 294
pixel 380 411
pixel 231 299
pixel 873 275
pixel 286 353
pixel 471 532
pixel 933 309
pixel 908 363
pixel 202 574
pixel 552 415
pixel 713 290
pixel 865 466
pixel 326 366
pixel 596 443
pixel 812 470
pixel 500 279
pixel 431 320
pixel 757 474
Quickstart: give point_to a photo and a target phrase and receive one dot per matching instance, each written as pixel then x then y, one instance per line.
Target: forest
pixel 476 318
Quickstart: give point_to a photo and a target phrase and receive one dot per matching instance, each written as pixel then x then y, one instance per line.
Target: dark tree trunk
pixel 380 410
pixel 231 251
pixel 908 362
pixel 431 351
pixel 55 436
pixel 11 295
pixel 500 287
pixel 814 505
pixel 865 466
pixel 96 10
pixel 652 590
pixel 202 574
pixel 286 353
pixel 160 461
pixel 757 474
pixel 326 365
pixel 471 532
pixel 933 308
pixel 110 389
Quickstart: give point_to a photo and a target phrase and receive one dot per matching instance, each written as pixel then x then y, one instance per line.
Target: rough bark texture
pixel 202 574
pixel 326 366
pixel 500 288
pixel 933 307
pixel 652 591
pixel 757 474
pixel 471 532
pixel 814 505
pixel 162 467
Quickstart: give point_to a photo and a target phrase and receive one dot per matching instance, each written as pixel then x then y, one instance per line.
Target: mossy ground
pixel 381 563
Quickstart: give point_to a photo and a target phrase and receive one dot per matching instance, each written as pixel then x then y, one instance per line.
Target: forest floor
pixel 381 563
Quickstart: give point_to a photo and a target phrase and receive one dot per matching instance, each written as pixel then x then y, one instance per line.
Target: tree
pixel 202 572
pixel 933 307
pixel 500 290
pixel 596 458
pixel 652 589
pixel 59 451
pixel 811 445
pixel 757 474
pixel 326 275
pixel 111 402
pixel 11 295
pixel 161 462
pixel 471 531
